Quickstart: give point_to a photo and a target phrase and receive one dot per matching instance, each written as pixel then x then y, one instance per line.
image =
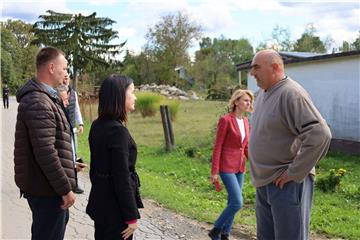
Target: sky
pixel 235 19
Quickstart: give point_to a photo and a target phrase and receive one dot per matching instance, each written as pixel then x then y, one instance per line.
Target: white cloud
pixel 102 2
pixel 30 10
pixel 212 16
pixel 260 5
pixel 125 32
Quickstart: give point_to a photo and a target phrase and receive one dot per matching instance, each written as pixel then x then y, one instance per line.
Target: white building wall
pixel 333 85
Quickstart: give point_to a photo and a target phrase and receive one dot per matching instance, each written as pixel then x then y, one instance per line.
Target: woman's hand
pixel 214 178
pixel 80 166
pixel 129 230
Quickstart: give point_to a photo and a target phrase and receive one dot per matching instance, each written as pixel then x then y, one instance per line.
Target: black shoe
pixel 224 236
pixel 214 233
pixel 79 190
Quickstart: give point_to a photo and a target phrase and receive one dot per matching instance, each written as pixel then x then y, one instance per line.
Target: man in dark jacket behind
pixel 43 155
pixel 5 95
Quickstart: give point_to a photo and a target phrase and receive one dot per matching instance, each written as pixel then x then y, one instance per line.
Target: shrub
pixel 191 152
pixel 331 182
pixel 173 106
pixel 147 103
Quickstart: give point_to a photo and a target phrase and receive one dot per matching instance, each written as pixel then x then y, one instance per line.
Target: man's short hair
pixel 47 54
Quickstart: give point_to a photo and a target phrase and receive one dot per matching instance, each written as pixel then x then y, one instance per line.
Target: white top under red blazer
pixel 229 150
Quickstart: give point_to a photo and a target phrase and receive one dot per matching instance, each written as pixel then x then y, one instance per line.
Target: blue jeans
pixel 233 183
pixel 49 220
pixel 284 213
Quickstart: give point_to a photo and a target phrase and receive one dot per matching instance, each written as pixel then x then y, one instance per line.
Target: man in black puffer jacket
pixel 43 155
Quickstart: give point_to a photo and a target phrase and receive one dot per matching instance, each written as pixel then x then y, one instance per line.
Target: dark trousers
pixel 284 213
pixel 49 220
pixel 110 231
pixel 6 101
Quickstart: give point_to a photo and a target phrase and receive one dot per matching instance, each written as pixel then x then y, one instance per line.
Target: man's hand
pixel 282 180
pixel 68 200
pixel 129 230
pixel 81 129
pixel 80 166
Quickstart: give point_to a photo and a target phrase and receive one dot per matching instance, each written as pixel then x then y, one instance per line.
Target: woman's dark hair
pixel 112 98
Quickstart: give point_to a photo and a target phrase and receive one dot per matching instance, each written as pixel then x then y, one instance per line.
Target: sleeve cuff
pixel 131 222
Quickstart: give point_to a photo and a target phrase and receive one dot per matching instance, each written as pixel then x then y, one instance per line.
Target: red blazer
pixel 229 151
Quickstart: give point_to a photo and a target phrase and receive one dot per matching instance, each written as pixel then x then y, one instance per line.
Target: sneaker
pixel 79 190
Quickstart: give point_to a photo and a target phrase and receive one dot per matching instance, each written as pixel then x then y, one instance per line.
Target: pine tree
pixel 84 39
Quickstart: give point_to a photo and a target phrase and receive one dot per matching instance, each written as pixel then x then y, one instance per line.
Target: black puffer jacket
pixel 43 154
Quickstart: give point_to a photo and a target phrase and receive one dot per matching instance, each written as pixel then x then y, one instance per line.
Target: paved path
pixel 157 223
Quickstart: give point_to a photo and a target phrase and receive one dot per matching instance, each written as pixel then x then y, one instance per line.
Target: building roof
pixel 301 54
pixel 294 57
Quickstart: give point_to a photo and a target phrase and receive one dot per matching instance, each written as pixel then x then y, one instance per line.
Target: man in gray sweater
pixel 288 137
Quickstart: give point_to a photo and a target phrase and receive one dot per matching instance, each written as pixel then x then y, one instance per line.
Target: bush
pixel 148 103
pixel 331 182
pixel 173 106
pixel 191 152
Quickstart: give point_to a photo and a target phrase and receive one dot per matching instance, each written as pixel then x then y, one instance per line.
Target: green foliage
pixel 214 65
pixel 167 45
pixel 148 103
pixel 84 39
pixel 308 42
pixel 356 43
pixel 218 94
pixel 17 55
pixel 279 41
pixel 330 182
pixel 191 152
pixel 173 106
pixel 346 46
pixel 142 67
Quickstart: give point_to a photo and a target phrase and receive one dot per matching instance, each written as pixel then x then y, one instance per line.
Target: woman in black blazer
pixel 114 197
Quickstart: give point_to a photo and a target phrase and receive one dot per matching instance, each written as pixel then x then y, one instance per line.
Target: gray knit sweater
pixel 287 134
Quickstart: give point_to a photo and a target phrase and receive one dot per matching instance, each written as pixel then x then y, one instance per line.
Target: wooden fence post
pixel 171 133
pixel 168 132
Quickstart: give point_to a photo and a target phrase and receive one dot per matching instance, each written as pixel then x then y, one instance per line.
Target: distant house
pixel 333 83
pixel 183 75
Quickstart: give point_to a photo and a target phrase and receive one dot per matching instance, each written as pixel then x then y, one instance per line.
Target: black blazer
pixel 114 195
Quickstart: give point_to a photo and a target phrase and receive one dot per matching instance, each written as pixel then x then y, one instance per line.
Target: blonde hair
pixel 238 94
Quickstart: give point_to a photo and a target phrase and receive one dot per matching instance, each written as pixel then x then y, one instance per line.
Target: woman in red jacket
pixel 228 159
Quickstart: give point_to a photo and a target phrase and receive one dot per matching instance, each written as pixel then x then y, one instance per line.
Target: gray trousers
pixel 284 214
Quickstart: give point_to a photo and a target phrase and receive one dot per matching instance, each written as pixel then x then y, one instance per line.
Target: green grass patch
pixel 179 179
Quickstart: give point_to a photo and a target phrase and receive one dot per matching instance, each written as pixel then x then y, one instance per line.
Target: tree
pixel 168 42
pixel 280 40
pixel 346 46
pixel 215 61
pixel 17 55
pixel 21 31
pixel 84 39
pixel 356 43
pixel 308 42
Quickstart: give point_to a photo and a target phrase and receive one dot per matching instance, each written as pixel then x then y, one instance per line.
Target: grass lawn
pixel 180 179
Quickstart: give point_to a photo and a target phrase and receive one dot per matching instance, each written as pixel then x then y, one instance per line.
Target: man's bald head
pixel 271 57
pixel 268 68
